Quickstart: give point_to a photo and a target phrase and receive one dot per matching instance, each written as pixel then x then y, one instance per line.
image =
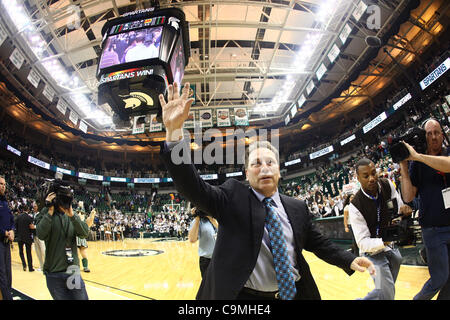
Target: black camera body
pixel 416 137
pixel 64 194
pixel 395 231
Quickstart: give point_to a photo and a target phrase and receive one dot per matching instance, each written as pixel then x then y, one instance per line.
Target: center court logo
pixel 133 253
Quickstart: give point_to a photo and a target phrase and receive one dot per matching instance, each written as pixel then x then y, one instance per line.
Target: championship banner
pixel 73 117
pixel 83 126
pixel 155 126
pixel 240 117
pixel 193 93
pixel 3 35
pixel 17 58
pixel 223 118
pixel 61 106
pixel 190 121
pixel 206 118
pixel 287 119
pixel 34 78
pixel 48 92
pixel 138 125
pixel 310 87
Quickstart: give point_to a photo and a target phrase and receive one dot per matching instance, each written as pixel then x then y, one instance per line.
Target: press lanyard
pixel 378 203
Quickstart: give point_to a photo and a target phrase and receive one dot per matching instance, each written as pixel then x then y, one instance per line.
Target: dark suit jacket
pixel 23 231
pixel 241 225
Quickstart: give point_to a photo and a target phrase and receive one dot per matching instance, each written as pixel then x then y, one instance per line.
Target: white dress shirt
pixel 263 277
pixel 365 243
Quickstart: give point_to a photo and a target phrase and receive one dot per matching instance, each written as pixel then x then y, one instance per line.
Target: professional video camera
pixel 397 230
pixel 64 194
pixel 416 137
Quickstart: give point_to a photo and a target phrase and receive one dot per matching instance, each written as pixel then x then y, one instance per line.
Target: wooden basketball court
pixel 170 271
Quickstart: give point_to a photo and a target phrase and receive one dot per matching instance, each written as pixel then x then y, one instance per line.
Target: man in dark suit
pixel 258 252
pixel 24 228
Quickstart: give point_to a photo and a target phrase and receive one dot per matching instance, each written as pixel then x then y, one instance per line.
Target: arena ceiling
pixel 285 61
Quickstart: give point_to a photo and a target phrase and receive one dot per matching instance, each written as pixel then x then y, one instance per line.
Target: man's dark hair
pixel 362 162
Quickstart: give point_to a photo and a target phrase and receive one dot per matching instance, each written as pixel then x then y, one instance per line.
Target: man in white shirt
pixel 140 51
pixel 369 216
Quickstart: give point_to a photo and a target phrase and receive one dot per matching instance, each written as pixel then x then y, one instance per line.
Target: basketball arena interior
pixel 327 82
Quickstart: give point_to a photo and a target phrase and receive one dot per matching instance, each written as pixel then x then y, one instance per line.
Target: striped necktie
pixel 285 277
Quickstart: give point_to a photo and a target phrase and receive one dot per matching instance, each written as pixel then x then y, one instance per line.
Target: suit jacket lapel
pixel 292 211
pixel 258 214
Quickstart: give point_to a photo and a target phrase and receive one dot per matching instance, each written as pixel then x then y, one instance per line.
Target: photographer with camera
pixel 373 216
pixel 59 226
pixel 428 176
pixel 204 229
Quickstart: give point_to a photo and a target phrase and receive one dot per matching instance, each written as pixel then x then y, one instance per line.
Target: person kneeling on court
pixel 370 214
pixel 59 226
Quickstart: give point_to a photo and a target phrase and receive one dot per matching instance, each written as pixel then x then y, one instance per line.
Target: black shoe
pixel 31 270
pixel 86 270
pixel 24 268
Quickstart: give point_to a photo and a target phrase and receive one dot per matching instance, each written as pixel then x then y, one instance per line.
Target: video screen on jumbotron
pixel 131 46
pixel 177 62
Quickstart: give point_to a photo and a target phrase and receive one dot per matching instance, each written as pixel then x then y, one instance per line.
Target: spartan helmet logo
pixel 136 99
pixel 174 22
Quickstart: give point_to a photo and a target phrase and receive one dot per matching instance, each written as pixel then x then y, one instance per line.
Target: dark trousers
pixel 5 271
pixel 437 244
pixel 59 285
pixel 29 255
pixel 204 263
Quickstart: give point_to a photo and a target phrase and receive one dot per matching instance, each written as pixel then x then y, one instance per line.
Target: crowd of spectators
pixel 322 189
pixel 127 214
pixel 117 225
pixel 131 214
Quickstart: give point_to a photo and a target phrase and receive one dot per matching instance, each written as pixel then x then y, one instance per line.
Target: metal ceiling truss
pixel 206 69
pixel 391 66
pixel 303 85
pixel 205 25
